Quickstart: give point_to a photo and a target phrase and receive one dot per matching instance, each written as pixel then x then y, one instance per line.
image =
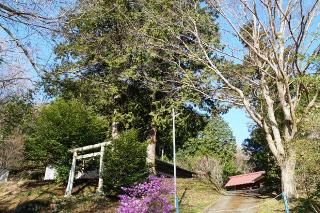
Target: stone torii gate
pixel 89 155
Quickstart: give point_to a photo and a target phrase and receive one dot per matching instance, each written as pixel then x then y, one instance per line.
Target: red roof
pixel 245 178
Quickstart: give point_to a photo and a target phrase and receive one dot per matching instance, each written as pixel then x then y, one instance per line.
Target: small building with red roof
pixel 245 181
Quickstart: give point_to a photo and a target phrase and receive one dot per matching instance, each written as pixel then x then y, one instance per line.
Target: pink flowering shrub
pixel 147 197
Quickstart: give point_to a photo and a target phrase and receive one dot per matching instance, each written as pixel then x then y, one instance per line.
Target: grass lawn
pixel 195 195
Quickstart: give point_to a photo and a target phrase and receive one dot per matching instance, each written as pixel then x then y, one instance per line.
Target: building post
pixel 100 183
pixel 71 175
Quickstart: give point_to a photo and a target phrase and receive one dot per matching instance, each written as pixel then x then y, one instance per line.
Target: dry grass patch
pixel 44 196
pixel 268 205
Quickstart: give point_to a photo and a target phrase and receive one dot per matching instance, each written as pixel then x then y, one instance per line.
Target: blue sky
pixel 237 118
pixel 239 122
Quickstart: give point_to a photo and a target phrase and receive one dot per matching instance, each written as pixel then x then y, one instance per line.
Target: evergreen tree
pixel 103 55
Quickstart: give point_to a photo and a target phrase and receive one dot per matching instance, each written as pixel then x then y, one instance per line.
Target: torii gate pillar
pixel 76 157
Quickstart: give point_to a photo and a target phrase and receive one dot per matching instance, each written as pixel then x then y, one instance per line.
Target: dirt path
pixel 242 202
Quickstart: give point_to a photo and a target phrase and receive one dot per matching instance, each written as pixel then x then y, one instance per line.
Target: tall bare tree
pixel 25 35
pixel 274 45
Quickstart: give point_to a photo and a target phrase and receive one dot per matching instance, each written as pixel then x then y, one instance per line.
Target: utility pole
pixel 176 201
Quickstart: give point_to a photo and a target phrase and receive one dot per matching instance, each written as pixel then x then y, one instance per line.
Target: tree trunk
pixel 114 126
pixel 151 150
pixel 114 129
pixel 288 176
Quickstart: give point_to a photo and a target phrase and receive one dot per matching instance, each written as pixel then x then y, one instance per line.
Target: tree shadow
pixel 82 185
pixel 32 206
pixel 307 205
pixel 183 195
pixel 84 204
pixel 34 184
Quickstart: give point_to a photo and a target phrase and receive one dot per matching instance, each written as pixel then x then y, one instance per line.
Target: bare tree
pixel 12 151
pixel 209 169
pixel 25 48
pixel 273 44
pixel 242 163
pixel 25 40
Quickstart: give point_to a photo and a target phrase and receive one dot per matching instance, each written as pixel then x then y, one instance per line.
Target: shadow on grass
pixel 82 186
pixel 183 195
pixel 32 206
pixel 307 205
pixel 34 184
pixel 81 203
pixel 92 203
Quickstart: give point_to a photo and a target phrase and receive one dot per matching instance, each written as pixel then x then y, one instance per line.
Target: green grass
pixel 195 195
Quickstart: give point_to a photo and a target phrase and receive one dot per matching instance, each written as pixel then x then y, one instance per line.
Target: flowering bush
pixel 150 196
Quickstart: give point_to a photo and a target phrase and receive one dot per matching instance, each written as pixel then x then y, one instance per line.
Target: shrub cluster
pixel 124 163
pixel 60 126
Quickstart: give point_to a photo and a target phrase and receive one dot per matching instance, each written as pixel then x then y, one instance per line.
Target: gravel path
pixel 240 202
